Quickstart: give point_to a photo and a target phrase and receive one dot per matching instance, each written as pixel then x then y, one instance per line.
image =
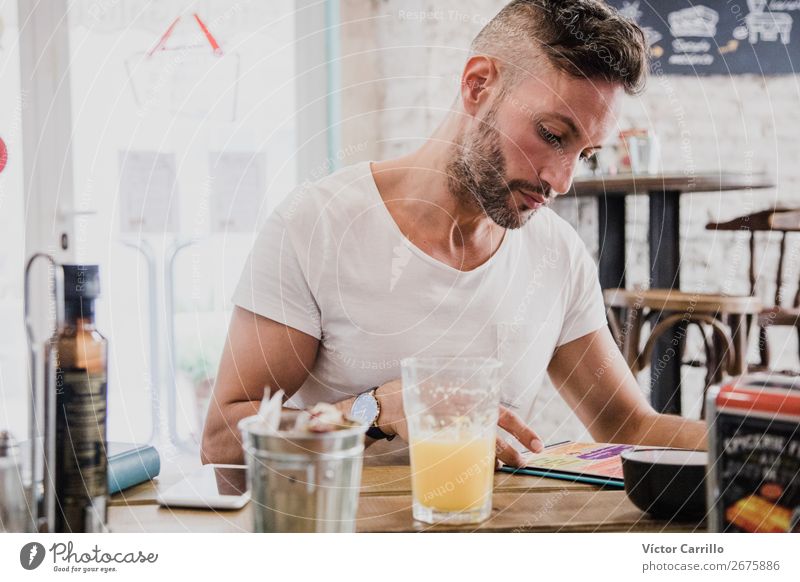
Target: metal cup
pixel 301 481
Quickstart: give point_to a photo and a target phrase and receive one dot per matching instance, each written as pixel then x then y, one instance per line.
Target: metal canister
pixel 14 513
pixel 753 482
pixel 302 481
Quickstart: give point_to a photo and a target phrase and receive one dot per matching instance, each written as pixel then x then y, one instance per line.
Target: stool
pixel 720 319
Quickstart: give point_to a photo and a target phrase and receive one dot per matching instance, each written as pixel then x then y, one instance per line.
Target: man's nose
pixel 559 174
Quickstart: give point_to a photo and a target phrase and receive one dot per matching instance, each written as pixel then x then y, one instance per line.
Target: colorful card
pixel 590 459
pixel 594 463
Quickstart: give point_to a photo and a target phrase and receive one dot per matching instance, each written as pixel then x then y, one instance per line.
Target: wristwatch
pixel 366 409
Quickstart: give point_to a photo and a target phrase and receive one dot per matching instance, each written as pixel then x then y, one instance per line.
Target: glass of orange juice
pixel 451 406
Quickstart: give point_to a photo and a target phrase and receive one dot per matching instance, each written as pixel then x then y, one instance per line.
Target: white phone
pixel 210 487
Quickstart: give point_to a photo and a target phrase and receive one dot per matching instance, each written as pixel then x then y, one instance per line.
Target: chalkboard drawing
pixel 651 35
pixel 766 26
pixel 631 10
pixel 769 26
pixel 695 21
pixel 730 47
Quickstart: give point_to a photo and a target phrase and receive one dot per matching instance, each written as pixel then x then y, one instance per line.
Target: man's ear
pixel 479 81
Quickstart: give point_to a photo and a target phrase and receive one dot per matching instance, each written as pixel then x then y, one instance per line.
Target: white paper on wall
pixel 148 192
pixel 238 183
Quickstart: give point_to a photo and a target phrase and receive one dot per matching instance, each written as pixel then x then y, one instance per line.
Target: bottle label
pixel 81 461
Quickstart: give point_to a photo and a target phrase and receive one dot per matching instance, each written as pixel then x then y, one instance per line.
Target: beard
pixel 477 176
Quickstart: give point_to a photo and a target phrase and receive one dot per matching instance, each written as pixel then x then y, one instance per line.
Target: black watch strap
pixel 376 433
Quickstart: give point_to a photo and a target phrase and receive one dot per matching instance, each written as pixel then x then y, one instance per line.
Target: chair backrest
pixel 782 220
pixel 788 221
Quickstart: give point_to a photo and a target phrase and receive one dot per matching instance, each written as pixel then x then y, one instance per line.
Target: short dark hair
pixel 585 38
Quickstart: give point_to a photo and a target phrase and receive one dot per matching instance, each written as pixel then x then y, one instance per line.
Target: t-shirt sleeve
pixel 585 309
pixel 274 285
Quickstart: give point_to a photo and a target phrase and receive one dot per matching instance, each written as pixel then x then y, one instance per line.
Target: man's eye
pixel 549 136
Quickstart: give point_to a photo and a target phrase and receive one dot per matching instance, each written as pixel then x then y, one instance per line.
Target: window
pixel 189 122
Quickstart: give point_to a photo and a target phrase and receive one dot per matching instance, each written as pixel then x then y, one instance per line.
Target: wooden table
pixel 664 192
pixel 521 504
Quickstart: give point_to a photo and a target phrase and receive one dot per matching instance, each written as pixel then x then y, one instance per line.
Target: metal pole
pixel 146 249
pixel 43 517
pixel 169 308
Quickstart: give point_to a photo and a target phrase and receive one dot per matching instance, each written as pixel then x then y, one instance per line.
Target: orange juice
pixel 452 475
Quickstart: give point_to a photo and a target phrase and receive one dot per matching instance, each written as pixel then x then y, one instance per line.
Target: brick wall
pixel 743 123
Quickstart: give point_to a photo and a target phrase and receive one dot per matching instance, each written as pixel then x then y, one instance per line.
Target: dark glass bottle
pixel 81 477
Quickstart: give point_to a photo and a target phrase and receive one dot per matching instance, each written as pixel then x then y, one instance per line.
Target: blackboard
pixel 719 37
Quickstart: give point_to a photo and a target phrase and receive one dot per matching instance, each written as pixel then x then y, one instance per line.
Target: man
pixel 451 250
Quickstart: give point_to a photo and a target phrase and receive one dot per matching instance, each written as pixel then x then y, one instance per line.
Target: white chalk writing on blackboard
pixel 785 5
pixel 681 45
pixel 691 59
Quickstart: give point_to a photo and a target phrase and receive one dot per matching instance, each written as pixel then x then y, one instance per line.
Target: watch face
pixel 364 409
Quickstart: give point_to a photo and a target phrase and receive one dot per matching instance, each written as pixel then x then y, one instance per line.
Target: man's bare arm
pixel 259 352
pixel 593 378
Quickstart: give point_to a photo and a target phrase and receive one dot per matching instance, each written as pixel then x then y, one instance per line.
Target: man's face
pixel 523 151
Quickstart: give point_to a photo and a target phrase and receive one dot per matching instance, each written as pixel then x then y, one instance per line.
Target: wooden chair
pixel 783 221
pixel 720 319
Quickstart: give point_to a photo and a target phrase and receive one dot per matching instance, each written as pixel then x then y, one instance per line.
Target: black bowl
pixel 666 483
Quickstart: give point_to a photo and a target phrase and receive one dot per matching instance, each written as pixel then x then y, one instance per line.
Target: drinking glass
pixel 451 406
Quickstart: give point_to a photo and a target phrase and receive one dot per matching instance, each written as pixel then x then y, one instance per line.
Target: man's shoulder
pixel 338 194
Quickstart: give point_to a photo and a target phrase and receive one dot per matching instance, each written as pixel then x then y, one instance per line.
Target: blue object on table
pixel 130 464
pixel 603 481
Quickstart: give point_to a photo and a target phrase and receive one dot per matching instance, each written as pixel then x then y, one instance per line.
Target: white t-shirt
pixel 332 263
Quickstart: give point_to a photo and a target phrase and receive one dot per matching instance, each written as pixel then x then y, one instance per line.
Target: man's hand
pixel 520 431
pixel 391 420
